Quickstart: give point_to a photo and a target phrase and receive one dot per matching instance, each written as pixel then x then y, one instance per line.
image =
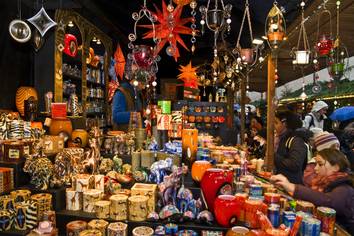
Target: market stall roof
pixel 114 18
pixel 287 73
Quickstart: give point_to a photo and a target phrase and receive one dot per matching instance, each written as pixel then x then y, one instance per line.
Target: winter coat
pixel 290 158
pixel 338 195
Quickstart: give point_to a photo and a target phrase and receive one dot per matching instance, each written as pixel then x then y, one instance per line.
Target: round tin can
pixel 274 215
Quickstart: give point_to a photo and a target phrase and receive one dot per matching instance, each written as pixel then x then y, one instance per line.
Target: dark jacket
pixel 291 157
pixel 339 195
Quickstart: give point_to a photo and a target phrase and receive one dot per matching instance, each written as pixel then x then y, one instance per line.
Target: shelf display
pixel 81 68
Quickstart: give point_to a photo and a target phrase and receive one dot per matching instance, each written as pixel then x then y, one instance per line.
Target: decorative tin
pixel 143 231
pixel 6 220
pixel 6 179
pixel 83 182
pixel 20 216
pixel 90 232
pixel 119 207
pixel 102 209
pixel 147 158
pixel 53 144
pixel 305 206
pixel 137 206
pixel 7 202
pixel 89 198
pixel 15 150
pixel 117 229
pixel 327 216
pixel 74 228
pixel 21 195
pixel 149 190
pixel 44 203
pixel 73 200
pixel 100 225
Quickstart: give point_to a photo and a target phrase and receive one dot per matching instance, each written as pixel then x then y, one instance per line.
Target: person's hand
pixel 282 181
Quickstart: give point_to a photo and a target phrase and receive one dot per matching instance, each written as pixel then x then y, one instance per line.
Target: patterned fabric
pixel 320 183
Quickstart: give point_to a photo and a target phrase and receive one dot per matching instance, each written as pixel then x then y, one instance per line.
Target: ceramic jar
pixel 199 168
pixel 22 94
pixel 81 136
pixel 215 182
pixel 226 210
pixel 59 126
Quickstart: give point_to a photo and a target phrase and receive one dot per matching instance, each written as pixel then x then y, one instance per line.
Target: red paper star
pixel 120 62
pixel 162 29
pixel 189 75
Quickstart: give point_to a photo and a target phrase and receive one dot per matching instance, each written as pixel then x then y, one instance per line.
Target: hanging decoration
pixel 182 2
pixel 70 45
pixel 18 29
pixel 316 87
pixel 189 75
pixel 38 41
pixel 215 18
pixel 42 21
pixel 325 39
pixel 248 55
pixel 170 26
pixel 301 54
pixel 303 95
pixel 275 29
pixel 338 56
pixel 193 5
pixel 119 61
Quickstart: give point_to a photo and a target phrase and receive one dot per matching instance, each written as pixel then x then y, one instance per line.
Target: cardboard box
pixel 149 190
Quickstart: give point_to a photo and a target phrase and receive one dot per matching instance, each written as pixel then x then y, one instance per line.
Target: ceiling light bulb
pixel 154 83
pixel 71 24
pixel 98 41
pixel 94 39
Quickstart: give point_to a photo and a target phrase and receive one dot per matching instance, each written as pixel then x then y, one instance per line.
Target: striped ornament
pixel 74 105
pixel 22 94
pixel 31 215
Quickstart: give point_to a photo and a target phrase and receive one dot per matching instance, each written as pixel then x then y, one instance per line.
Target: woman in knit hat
pixel 335 190
pixel 321 141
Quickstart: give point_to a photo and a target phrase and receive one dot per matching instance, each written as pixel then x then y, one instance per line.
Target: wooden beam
pixel 243 109
pixel 269 159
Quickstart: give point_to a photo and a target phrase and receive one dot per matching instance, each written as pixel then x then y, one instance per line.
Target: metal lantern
pixel 275 26
pixel 338 57
pixel 302 52
pixel 325 40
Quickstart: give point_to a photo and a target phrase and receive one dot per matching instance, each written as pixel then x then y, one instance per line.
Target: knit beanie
pixel 325 140
pixel 319 105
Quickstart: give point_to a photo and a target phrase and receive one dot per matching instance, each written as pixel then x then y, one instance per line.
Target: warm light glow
pixel 257 41
pixel 264 37
pixel 98 41
pixel 302 57
pixel 303 96
pixel 94 39
pixel 71 24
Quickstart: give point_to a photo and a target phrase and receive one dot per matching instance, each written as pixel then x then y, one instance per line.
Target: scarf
pixel 320 183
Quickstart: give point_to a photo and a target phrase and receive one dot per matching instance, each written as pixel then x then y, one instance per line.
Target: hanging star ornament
pixel 189 75
pixel 120 62
pixel 42 21
pixel 169 33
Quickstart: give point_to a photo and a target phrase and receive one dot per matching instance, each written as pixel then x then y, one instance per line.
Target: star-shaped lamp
pixel 189 75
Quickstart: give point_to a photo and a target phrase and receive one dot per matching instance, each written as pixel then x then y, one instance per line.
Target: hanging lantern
pixel 302 52
pixel 275 26
pixel 338 57
pixel 325 39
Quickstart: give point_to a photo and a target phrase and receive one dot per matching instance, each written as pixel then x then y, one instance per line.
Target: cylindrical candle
pixel 73 200
pixel 117 229
pixel 137 208
pixel 119 207
pixel 143 231
pixel 102 209
pixel 74 228
pixel 89 198
pixel 100 225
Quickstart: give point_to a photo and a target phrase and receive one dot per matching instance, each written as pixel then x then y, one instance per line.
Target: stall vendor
pixel 334 190
pixel 127 98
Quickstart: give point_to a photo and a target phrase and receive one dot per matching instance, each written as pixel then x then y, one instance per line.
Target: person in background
pixel 290 156
pixel 317 116
pixel 321 140
pixel 259 144
pixel 335 190
pixel 127 98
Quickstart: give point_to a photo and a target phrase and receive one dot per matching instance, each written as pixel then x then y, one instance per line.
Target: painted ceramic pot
pixel 80 136
pixel 22 94
pixel 237 231
pixel 61 126
pixel 199 168
pixel 226 210
pixel 216 182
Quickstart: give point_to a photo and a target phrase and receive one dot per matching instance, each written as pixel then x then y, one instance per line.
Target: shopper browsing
pixel 317 116
pixel 335 190
pixel 290 157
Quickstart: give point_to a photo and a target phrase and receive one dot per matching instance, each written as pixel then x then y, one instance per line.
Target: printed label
pixel 14 153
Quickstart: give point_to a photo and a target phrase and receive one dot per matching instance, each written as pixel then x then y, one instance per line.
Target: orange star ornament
pixel 120 61
pixel 189 75
pixel 163 31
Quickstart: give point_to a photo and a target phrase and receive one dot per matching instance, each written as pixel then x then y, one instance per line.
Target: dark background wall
pixel 16 59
